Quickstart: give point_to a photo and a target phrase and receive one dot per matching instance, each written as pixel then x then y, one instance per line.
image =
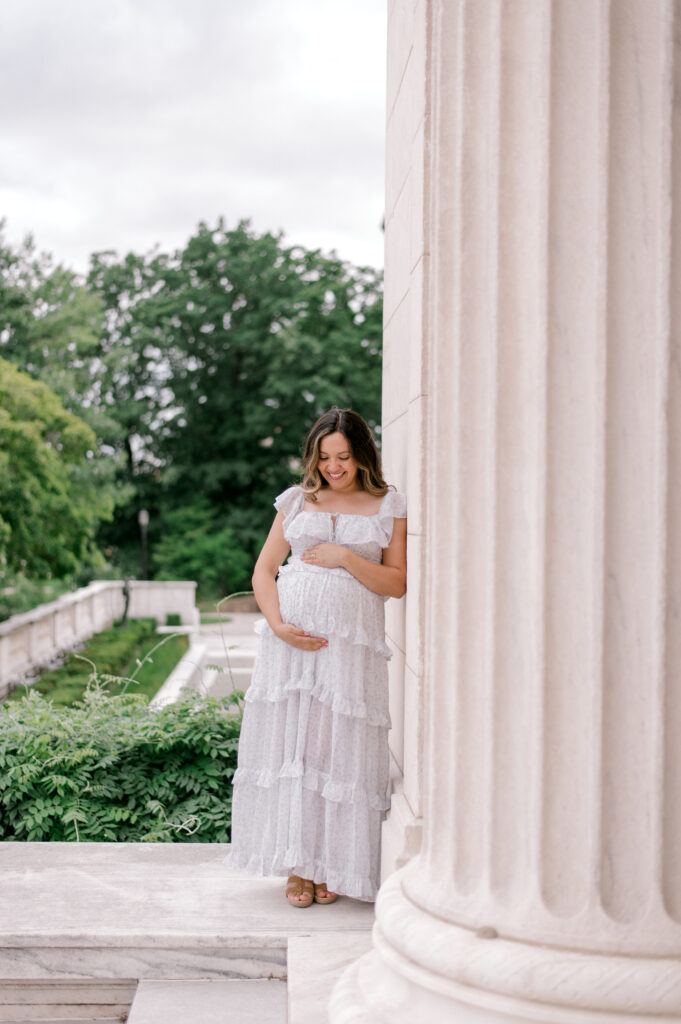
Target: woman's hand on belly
pixel 330 556
pixel 299 638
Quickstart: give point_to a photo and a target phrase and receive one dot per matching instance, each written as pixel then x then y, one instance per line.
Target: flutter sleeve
pixel 289 502
pixel 393 506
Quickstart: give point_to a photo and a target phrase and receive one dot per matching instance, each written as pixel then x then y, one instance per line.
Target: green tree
pixel 50 326
pixel 195 546
pixel 49 500
pixel 243 342
pixel 199 373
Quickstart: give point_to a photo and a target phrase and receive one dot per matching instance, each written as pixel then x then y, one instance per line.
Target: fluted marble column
pixel 548 886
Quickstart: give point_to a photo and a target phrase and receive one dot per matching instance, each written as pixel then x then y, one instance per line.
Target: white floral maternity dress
pixel 312 784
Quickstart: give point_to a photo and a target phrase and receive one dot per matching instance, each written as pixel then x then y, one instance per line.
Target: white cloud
pixel 124 123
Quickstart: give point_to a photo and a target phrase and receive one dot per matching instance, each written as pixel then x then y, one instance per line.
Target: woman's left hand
pixel 331 556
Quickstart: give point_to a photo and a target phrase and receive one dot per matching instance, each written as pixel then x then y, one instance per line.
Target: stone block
pixel 416 462
pixel 86 1002
pixel 398 256
pixel 404 118
pixel 395 436
pixel 400 45
pixel 417 203
pixel 417 355
pixel 113 897
pixel 314 965
pixel 415 602
pixel 396 693
pixel 209 1002
pixel 414 710
pixel 396 385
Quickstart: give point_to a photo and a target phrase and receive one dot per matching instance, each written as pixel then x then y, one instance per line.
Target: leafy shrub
pixel 173 619
pixel 113 769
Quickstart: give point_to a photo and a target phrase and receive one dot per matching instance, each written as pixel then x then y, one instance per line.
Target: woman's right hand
pixel 299 638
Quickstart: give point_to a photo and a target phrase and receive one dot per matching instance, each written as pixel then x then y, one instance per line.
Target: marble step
pixel 67 1015
pixel 81 924
pixel 240 657
pixel 225 683
pixel 233 672
pixel 315 962
pixel 209 1002
pixel 236 669
pixel 148 910
pixel 34 1001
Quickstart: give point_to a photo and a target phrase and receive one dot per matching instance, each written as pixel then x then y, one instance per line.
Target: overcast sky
pixel 125 122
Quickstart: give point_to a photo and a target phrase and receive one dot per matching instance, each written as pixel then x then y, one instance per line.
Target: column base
pixel 425 971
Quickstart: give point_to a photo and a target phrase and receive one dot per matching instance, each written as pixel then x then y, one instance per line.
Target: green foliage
pixel 194 546
pixel 241 343
pixel 112 769
pixel 50 328
pixel 49 504
pixel 114 651
pixel 151 666
pixel 21 594
pixel 198 372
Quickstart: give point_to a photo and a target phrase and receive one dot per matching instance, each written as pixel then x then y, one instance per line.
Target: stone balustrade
pixel 32 640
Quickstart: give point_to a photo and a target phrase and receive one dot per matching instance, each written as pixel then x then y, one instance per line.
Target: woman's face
pixel 336 464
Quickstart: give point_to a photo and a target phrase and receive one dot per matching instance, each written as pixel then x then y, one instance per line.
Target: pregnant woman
pixel 312 784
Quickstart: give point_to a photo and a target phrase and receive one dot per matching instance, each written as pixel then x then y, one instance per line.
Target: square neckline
pixel 355 515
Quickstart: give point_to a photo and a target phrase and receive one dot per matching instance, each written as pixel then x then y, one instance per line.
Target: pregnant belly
pixel 326 603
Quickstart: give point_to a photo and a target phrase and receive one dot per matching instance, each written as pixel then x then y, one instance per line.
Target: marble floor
pixel 101 921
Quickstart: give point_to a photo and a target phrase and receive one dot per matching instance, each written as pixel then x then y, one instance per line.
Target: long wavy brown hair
pixel 362 448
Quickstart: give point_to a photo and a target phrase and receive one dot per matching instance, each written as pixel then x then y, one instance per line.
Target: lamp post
pixel 143 520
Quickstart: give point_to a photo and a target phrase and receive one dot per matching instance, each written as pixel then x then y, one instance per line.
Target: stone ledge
pixel 137 894
pixel 88 924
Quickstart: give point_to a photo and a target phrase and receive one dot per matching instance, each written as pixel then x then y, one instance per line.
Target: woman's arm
pixel 388 578
pixel 275 550
pixel 272 556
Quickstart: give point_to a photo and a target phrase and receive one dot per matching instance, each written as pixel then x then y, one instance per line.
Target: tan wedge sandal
pixel 330 897
pixel 297 887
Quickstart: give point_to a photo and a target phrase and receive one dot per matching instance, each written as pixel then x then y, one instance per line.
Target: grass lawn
pixel 114 652
pixel 154 673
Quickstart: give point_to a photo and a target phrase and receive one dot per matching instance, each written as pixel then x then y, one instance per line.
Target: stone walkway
pixel 231 646
pixel 233 642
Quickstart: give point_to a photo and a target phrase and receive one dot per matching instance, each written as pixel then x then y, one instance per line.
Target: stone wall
pixel 33 640
pixel 405 400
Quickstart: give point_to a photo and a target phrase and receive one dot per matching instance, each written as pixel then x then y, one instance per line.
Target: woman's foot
pixel 300 892
pixel 322 894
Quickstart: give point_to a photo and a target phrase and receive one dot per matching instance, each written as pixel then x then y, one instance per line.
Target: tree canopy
pixel 199 372
pixel 49 502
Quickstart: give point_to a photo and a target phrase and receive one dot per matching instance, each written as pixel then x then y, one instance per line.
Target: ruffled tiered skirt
pixel 312 784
